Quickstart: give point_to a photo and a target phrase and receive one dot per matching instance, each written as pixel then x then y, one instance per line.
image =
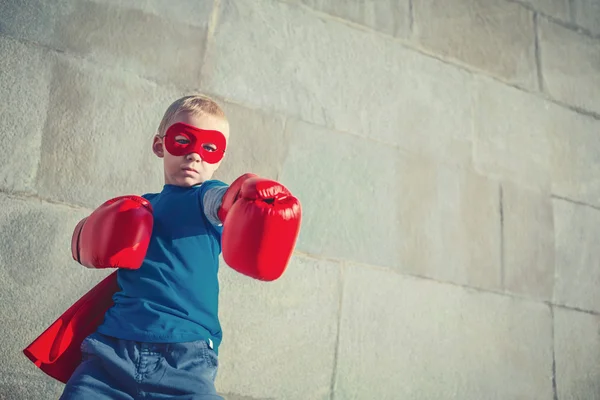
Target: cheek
pixel 171 160
pixel 211 167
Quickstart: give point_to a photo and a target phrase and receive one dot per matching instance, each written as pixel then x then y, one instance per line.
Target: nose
pixel 193 157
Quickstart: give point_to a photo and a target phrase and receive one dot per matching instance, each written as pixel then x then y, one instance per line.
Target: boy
pixel 159 338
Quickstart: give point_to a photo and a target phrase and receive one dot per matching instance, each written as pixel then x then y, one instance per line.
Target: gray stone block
pixel 494 36
pixel 577 253
pixel 339 77
pixel 569 63
pixel 449 223
pixel 33 20
pixel 388 16
pixel 406 338
pixel 576 171
pixel 577 350
pixel 98 134
pixel 522 138
pixel 279 337
pixel 586 14
pixel 514 134
pixel 189 12
pixel 24 82
pixel 145 43
pixel 349 190
pixel 27 386
pixel 558 9
pixel 257 143
pixel 39 281
pixel 150 38
pixel 528 242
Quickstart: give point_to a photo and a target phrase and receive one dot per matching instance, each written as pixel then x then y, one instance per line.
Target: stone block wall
pixel 446 153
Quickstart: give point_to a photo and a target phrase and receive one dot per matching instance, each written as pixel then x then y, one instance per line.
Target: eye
pixel 209 147
pixel 182 140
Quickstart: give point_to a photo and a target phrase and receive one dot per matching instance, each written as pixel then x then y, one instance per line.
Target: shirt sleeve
pixel 212 201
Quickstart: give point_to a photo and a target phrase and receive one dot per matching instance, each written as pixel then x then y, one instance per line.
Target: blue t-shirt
pixel 173 297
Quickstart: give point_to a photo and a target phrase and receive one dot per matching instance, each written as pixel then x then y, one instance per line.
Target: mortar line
pixel 337 339
pixel 24 196
pixel 502 231
pixel 476 289
pixel 577 309
pixel 538 53
pixel 578 110
pixel 553 345
pixel 578 202
pixel 411 19
pixel 392 270
pixel 569 24
pixel 572 9
pixel 35 43
pixel 280 166
pixel 210 31
pixel 214 18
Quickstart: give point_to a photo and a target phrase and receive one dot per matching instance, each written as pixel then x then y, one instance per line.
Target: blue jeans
pixel 118 369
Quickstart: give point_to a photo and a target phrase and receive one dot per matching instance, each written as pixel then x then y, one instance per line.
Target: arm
pixel 212 201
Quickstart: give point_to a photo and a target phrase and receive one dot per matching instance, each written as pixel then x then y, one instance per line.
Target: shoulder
pixel 149 196
pixel 206 186
pixel 212 183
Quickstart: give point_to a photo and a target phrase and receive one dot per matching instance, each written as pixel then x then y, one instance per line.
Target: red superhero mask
pixel 210 145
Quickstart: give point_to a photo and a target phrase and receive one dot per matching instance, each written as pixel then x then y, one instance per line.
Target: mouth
pixel 188 169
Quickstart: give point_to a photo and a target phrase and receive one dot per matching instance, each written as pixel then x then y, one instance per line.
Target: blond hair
pixel 196 104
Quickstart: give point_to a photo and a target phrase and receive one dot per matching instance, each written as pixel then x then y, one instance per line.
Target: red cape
pixel 57 351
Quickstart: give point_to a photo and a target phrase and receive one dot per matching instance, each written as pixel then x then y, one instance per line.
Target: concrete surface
pixel 445 153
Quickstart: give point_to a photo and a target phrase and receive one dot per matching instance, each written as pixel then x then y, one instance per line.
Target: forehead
pixel 208 122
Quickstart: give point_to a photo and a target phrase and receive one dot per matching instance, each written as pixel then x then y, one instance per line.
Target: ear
pixel 157 146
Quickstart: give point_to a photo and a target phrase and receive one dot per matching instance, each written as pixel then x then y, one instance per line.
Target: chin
pixel 189 182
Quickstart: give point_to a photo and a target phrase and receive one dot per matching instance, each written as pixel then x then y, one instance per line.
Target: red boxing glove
pixel 115 235
pixel 261 222
pixel 232 195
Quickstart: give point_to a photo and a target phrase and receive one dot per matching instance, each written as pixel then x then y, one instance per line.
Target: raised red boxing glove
pixel 115 235
pixel 260 227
